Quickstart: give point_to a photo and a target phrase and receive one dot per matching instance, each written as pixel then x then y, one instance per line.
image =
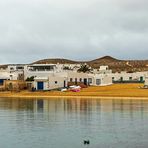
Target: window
pixel 121 78
pixel 141 79
pixel 1 81
pixel 75 79
pixel 80 79
pixel 11 68
pixel 98 81
pixel 130 78
pixel 56 82
pixel 70 79
pixel 89 80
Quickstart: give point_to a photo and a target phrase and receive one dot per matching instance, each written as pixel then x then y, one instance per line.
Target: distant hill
pixel 55 61
pixel 3 66
pixel 115 64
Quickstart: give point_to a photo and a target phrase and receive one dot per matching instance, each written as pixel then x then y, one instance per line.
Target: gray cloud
pixel 80 29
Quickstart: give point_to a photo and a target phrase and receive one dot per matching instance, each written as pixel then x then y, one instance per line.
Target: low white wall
pixel 53 82
pixel 146 81
pixel 56 82
pixel 126 76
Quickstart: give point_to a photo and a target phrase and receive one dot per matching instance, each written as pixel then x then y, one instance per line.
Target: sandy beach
pixel 125 91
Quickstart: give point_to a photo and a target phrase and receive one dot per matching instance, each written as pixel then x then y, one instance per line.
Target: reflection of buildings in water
pixel 52 105
pixel 77 106
pixel 132 107
pixel 18 104
pixel 106 105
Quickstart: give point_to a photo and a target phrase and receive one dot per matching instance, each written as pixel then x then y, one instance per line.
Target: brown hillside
pixel 115 64
pixel 55 61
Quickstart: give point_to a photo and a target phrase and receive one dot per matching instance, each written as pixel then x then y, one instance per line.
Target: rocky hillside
pixel 55 61
pixel 115 64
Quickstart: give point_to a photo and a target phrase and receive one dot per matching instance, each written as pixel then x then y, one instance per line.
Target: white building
pixel 146 81
pixel 50 82
pixel 11 72
pixel 131 77
pixel 39 70
pixel 51 76
pixel 61 79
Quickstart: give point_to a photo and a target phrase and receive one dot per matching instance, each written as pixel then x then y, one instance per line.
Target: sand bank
pixel 116 91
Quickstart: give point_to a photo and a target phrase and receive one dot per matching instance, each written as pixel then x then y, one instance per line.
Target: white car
pixel 74 87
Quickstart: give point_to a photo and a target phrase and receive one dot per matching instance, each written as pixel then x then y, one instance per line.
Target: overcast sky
pixel 77 29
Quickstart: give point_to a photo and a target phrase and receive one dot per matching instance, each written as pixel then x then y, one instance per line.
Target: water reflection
pixel 78 106
pixel 75 105
pixel 55 122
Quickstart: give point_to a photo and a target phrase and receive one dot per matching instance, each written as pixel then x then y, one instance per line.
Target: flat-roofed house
pixel 53 81
pixel 39 70
pixel 99 79
pixel 146 81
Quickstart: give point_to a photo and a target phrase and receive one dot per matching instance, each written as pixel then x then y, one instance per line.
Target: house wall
pixel 53 82
pixel 100 79
pixel 57 82
pixel 146 81
pixel 106 80
pixel 29 73
pixel 45 84
pixel 75 75
pixel 12 75
pixel 126 76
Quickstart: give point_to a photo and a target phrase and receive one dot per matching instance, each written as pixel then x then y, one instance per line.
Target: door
pixel 1 81
pixel 40 85
pixel 64 83
pixel 85 81
pixel 141 79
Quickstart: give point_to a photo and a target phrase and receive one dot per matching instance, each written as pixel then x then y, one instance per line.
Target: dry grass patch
pixel 116 90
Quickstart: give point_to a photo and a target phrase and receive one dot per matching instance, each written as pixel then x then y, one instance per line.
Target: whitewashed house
pixel 50 82
pixel 128 77
pixel 61 79
pixel 100 79
pixel 38 70
pixel 146 81
pixel 11 72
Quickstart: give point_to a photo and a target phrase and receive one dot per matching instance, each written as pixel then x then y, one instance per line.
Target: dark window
pixel 80 79
pixel 11 68
pixel 89 80
pixel 98 81
pixel 75 79
pixel 85 81
pixel 56 82
pixel 141 79
pixel 1 81
pixel 121 78
pixel 70 79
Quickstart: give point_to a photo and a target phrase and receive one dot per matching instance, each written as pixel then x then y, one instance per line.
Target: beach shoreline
pixel 74 97
pixel 116 91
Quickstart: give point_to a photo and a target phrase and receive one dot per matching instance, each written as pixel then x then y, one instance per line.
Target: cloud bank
pixel 80 29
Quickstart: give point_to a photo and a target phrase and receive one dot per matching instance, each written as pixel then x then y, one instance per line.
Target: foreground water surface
pixel 65 123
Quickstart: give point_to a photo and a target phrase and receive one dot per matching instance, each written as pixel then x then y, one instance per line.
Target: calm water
pixel 65 123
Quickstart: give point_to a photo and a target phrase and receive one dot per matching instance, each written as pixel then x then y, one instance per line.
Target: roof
pixel 36 65
pixel 41 78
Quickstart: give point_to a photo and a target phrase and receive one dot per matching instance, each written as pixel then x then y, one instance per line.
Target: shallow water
pixel 65 123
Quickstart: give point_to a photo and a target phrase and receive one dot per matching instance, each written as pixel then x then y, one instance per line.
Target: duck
pixel 86 142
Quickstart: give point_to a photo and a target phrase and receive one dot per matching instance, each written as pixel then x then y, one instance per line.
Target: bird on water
pixel 86 142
